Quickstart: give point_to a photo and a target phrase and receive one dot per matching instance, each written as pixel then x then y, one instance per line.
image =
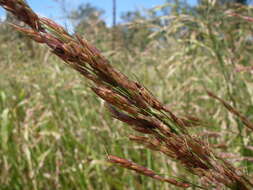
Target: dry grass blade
pixel 133 104
pixel 144 171
pixel 247 18
pixel 245 121
pixel 23 13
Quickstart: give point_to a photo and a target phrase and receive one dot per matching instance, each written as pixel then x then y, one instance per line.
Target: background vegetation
pixel 55 134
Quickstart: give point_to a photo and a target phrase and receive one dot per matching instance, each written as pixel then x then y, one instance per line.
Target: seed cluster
pixel 131 103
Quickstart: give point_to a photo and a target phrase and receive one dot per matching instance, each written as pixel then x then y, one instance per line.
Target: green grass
pixel 55 133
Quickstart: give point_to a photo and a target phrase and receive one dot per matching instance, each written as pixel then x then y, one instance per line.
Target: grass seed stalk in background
pixel 130 102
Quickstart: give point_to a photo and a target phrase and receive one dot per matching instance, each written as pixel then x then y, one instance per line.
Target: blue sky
pixel 51 9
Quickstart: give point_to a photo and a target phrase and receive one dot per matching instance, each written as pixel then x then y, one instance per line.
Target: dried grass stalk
pixel 132 104
pixel 144 171
pixel 232 110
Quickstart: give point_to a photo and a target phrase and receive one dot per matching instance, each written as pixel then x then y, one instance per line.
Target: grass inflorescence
pixel 158 127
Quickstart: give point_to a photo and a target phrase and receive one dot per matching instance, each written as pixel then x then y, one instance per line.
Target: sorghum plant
pixel 130 102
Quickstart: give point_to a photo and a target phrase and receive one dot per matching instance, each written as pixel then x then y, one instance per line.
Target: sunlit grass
pixel 56 134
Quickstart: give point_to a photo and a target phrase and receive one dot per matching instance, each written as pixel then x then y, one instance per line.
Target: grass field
pixel 56 134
